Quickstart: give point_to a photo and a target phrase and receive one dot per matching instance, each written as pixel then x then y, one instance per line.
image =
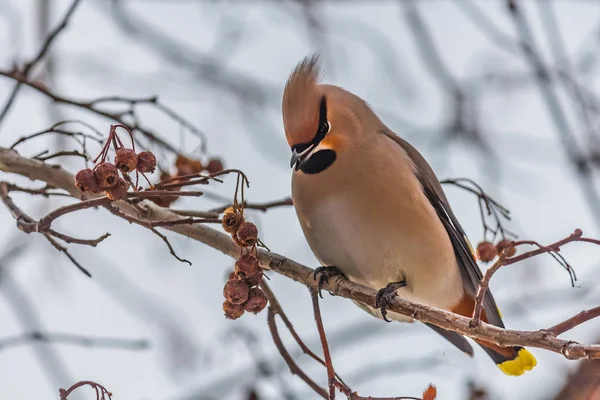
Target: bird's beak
pixel 298 158
pixel 295 158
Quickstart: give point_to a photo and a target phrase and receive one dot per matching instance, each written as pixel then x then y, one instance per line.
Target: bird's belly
pixel 378 249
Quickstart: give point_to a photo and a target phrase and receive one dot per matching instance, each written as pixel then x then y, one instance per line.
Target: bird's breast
pixel 376 225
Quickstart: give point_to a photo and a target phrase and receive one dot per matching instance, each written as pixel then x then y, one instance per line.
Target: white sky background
pixel 139 291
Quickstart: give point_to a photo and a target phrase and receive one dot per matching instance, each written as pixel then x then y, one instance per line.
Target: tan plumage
pixel 369 204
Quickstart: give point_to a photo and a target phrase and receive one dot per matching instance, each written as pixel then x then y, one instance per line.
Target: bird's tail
pixel 515 360
pixel 511 360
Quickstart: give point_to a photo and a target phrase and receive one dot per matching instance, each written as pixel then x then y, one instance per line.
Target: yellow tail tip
pixel 525 361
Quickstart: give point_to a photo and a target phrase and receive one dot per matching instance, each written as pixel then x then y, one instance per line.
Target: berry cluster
pixel 186 169
pixel 241 291
pixel 104 177
pixel 487 251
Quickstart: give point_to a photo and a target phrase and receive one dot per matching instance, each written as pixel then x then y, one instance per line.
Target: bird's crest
pixel 301 100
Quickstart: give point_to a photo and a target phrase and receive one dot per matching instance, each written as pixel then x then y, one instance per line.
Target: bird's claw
pixel 324 273
pixel 386 295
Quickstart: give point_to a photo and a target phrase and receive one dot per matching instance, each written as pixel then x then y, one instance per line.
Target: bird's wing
pixel 470 272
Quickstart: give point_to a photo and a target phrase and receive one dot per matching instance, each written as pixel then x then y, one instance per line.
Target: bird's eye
pixel 324 128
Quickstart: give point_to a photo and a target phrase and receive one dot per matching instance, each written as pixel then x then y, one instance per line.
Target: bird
pixel 372 209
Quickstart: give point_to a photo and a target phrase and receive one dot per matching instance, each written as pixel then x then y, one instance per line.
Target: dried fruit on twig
pixel 232 220
pixel 214 166
pixel 506 244
pixel 236 291
pixel 85 180
pixel 256 279
pixel 232 311
pixel 430 393
pixel 118 191
pixel 146 162
pixel 257 301
pixel 126 160
pixel 247 234
pixel 187 166
pixel 107 175
pixel 486 251
pixel 247 266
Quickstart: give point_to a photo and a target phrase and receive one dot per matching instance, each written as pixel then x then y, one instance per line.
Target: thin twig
pixel 287 201
pixel 41 53
pixel 73 339
pixel 328 362
pixel 101 391
pixel 503 261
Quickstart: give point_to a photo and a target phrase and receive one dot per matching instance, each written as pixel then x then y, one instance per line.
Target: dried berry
pixel 107 175
pixel 187 166
pixel 247 234
pixel 486 251
pixel 257 301
pixel 215 165
pixel 85 180
pixel 231 276
pixel 126 160
pixel 232 311
pixel 236 240
pixel 506 244
pixel 164 201
pixel 256 279
pixel 247 266
pixel 232 221
pixel 118 191
pixel 146 162
pixel 236 291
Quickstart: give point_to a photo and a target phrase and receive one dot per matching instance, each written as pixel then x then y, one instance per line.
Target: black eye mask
pixel 302 150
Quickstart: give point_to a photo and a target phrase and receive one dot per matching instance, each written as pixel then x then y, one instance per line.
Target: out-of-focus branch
pixel 11 162
pixel 73 339
pixel 41 53
pixel 118 117
pixel 555 110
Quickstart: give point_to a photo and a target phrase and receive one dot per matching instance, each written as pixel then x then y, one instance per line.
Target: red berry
pixel 215 165
pixel 126 160
pixel 187 166
pixel 232 311
pixel 247 234
pixel 486 251
pixel 118 191
pixel 231 221
pixel 255 279
pixel 146 162
pixel 85 180
pixel 107 175
pixel 236 291
pixel 506 244
pixel 247 266
pixel 257 301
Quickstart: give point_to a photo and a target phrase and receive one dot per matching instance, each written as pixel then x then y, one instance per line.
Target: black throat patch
pixel 318 162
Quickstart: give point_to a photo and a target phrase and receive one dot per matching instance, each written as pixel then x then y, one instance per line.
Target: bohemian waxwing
pixel 371 207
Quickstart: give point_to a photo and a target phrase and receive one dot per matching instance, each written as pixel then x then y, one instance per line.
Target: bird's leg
pixel 324 273
pixel 385 296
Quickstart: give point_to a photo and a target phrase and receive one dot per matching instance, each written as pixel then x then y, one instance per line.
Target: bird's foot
pixel 324 273
pixel 386 295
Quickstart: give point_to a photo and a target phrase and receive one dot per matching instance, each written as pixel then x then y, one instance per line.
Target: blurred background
pixel 508 99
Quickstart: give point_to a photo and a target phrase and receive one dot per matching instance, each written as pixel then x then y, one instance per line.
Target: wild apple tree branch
pixel 55 176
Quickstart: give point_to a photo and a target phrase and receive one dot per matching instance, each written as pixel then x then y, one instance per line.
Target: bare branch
pixel 73 339
pixel 41 53
pixel 11 162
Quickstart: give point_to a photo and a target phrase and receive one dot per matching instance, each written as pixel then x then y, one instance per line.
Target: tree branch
pixel 55 176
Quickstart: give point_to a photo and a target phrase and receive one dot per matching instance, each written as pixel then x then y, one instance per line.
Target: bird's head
pixel 320 121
